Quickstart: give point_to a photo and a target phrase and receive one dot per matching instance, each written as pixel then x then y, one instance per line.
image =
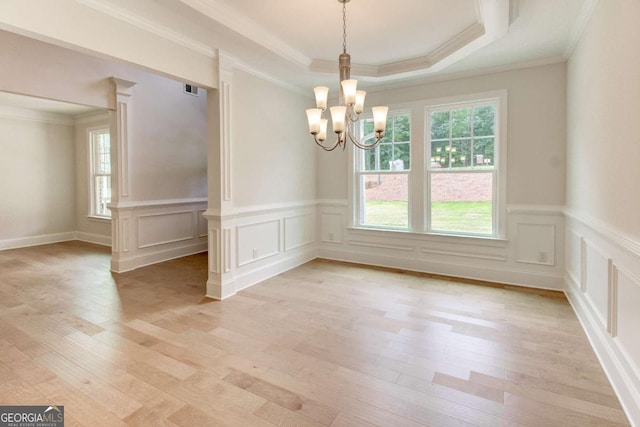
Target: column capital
pixel 122 87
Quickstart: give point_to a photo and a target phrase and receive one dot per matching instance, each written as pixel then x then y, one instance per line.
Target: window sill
pixel 102 219
pixel 436 237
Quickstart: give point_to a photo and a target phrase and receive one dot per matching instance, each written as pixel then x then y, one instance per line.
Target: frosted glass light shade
pixel 349 91
pixel 338 114
pixel 380 118
pixel 359 106
pixel 322 92
pixel 323 130
pixel 313 117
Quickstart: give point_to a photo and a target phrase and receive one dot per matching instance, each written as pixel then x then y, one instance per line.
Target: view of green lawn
pixel 471 217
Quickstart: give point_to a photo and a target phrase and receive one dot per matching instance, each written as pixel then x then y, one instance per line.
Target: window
pixel 383 174
pixel 100 172
pixel 462 169
pixel 452 183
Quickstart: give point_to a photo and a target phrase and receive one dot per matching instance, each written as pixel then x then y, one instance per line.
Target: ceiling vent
pixel 190 89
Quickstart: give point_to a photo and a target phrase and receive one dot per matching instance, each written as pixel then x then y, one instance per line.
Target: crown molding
pixel 226 16
pixel 243 66
pixel 421 64
pixel 493 20
pixel 580 26
pixel 150 26
pixel 15 113
pixel 440 77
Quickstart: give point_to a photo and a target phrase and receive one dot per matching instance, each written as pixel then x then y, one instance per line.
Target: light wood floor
pixel 326 344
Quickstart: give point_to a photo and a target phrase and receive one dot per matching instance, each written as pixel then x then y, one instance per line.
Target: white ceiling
pixel 391 42
pixel 298 41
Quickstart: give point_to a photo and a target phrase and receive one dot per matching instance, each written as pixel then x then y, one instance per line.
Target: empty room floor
pixel 325 344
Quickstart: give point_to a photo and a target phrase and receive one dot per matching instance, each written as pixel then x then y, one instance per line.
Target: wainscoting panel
pixel 332 226
pixel 266 241
pixel 162 228
pixel 202 223
pixel 573 255
pixel 604 290
pixel 158 231
pixel 626 313
pixel 535 243
pixel 299 231
pixel 516 259
pixel 257 241
pixel 596 281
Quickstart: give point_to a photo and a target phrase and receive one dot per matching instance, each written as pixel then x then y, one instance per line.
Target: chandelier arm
pixel 325 147
pixel 371 146
pixel 353 116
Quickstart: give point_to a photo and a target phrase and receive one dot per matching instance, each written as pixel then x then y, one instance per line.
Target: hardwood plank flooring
pixel 325 344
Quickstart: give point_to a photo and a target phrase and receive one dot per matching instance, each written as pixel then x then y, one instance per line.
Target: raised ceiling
pixel 298 41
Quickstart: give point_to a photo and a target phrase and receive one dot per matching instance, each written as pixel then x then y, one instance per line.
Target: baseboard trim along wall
pixel 96 239
pixel 23 242
pixel 603 285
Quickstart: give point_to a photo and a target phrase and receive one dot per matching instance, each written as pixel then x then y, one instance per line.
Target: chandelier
pixel 351 101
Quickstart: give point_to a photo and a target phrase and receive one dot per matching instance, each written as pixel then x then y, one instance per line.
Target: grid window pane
pixel 394 151
pixel 462 202
pixel 440 124
pixel 484 120
pixel 484 152
pixel 100 147
pixel 385 200
pixel 462 138
pixel 461 123
pixel 102 195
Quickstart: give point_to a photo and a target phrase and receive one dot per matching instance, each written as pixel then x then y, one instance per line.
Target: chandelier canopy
pixel 351 101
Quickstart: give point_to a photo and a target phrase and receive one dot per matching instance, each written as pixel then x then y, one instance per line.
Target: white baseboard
pixel 155 257
pixel 245 280
pixel 93 238
pixel 487 273
pixel 612 360
pixel 44 239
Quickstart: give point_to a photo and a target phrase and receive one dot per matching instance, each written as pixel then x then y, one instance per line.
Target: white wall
pixel 535 190
pixel 37 178
pixel 169 142
pixel 273 159
pixel 603 201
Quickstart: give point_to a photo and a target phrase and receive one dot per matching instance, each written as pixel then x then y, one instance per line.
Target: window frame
pixel 359 171
pixel 92 138
pixel 496 231
pixel 418 203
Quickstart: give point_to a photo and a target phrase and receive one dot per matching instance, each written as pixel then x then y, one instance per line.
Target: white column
pixel 122 224
pixel 221 281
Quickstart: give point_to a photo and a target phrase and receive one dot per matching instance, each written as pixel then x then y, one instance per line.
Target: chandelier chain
pixel 344 27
